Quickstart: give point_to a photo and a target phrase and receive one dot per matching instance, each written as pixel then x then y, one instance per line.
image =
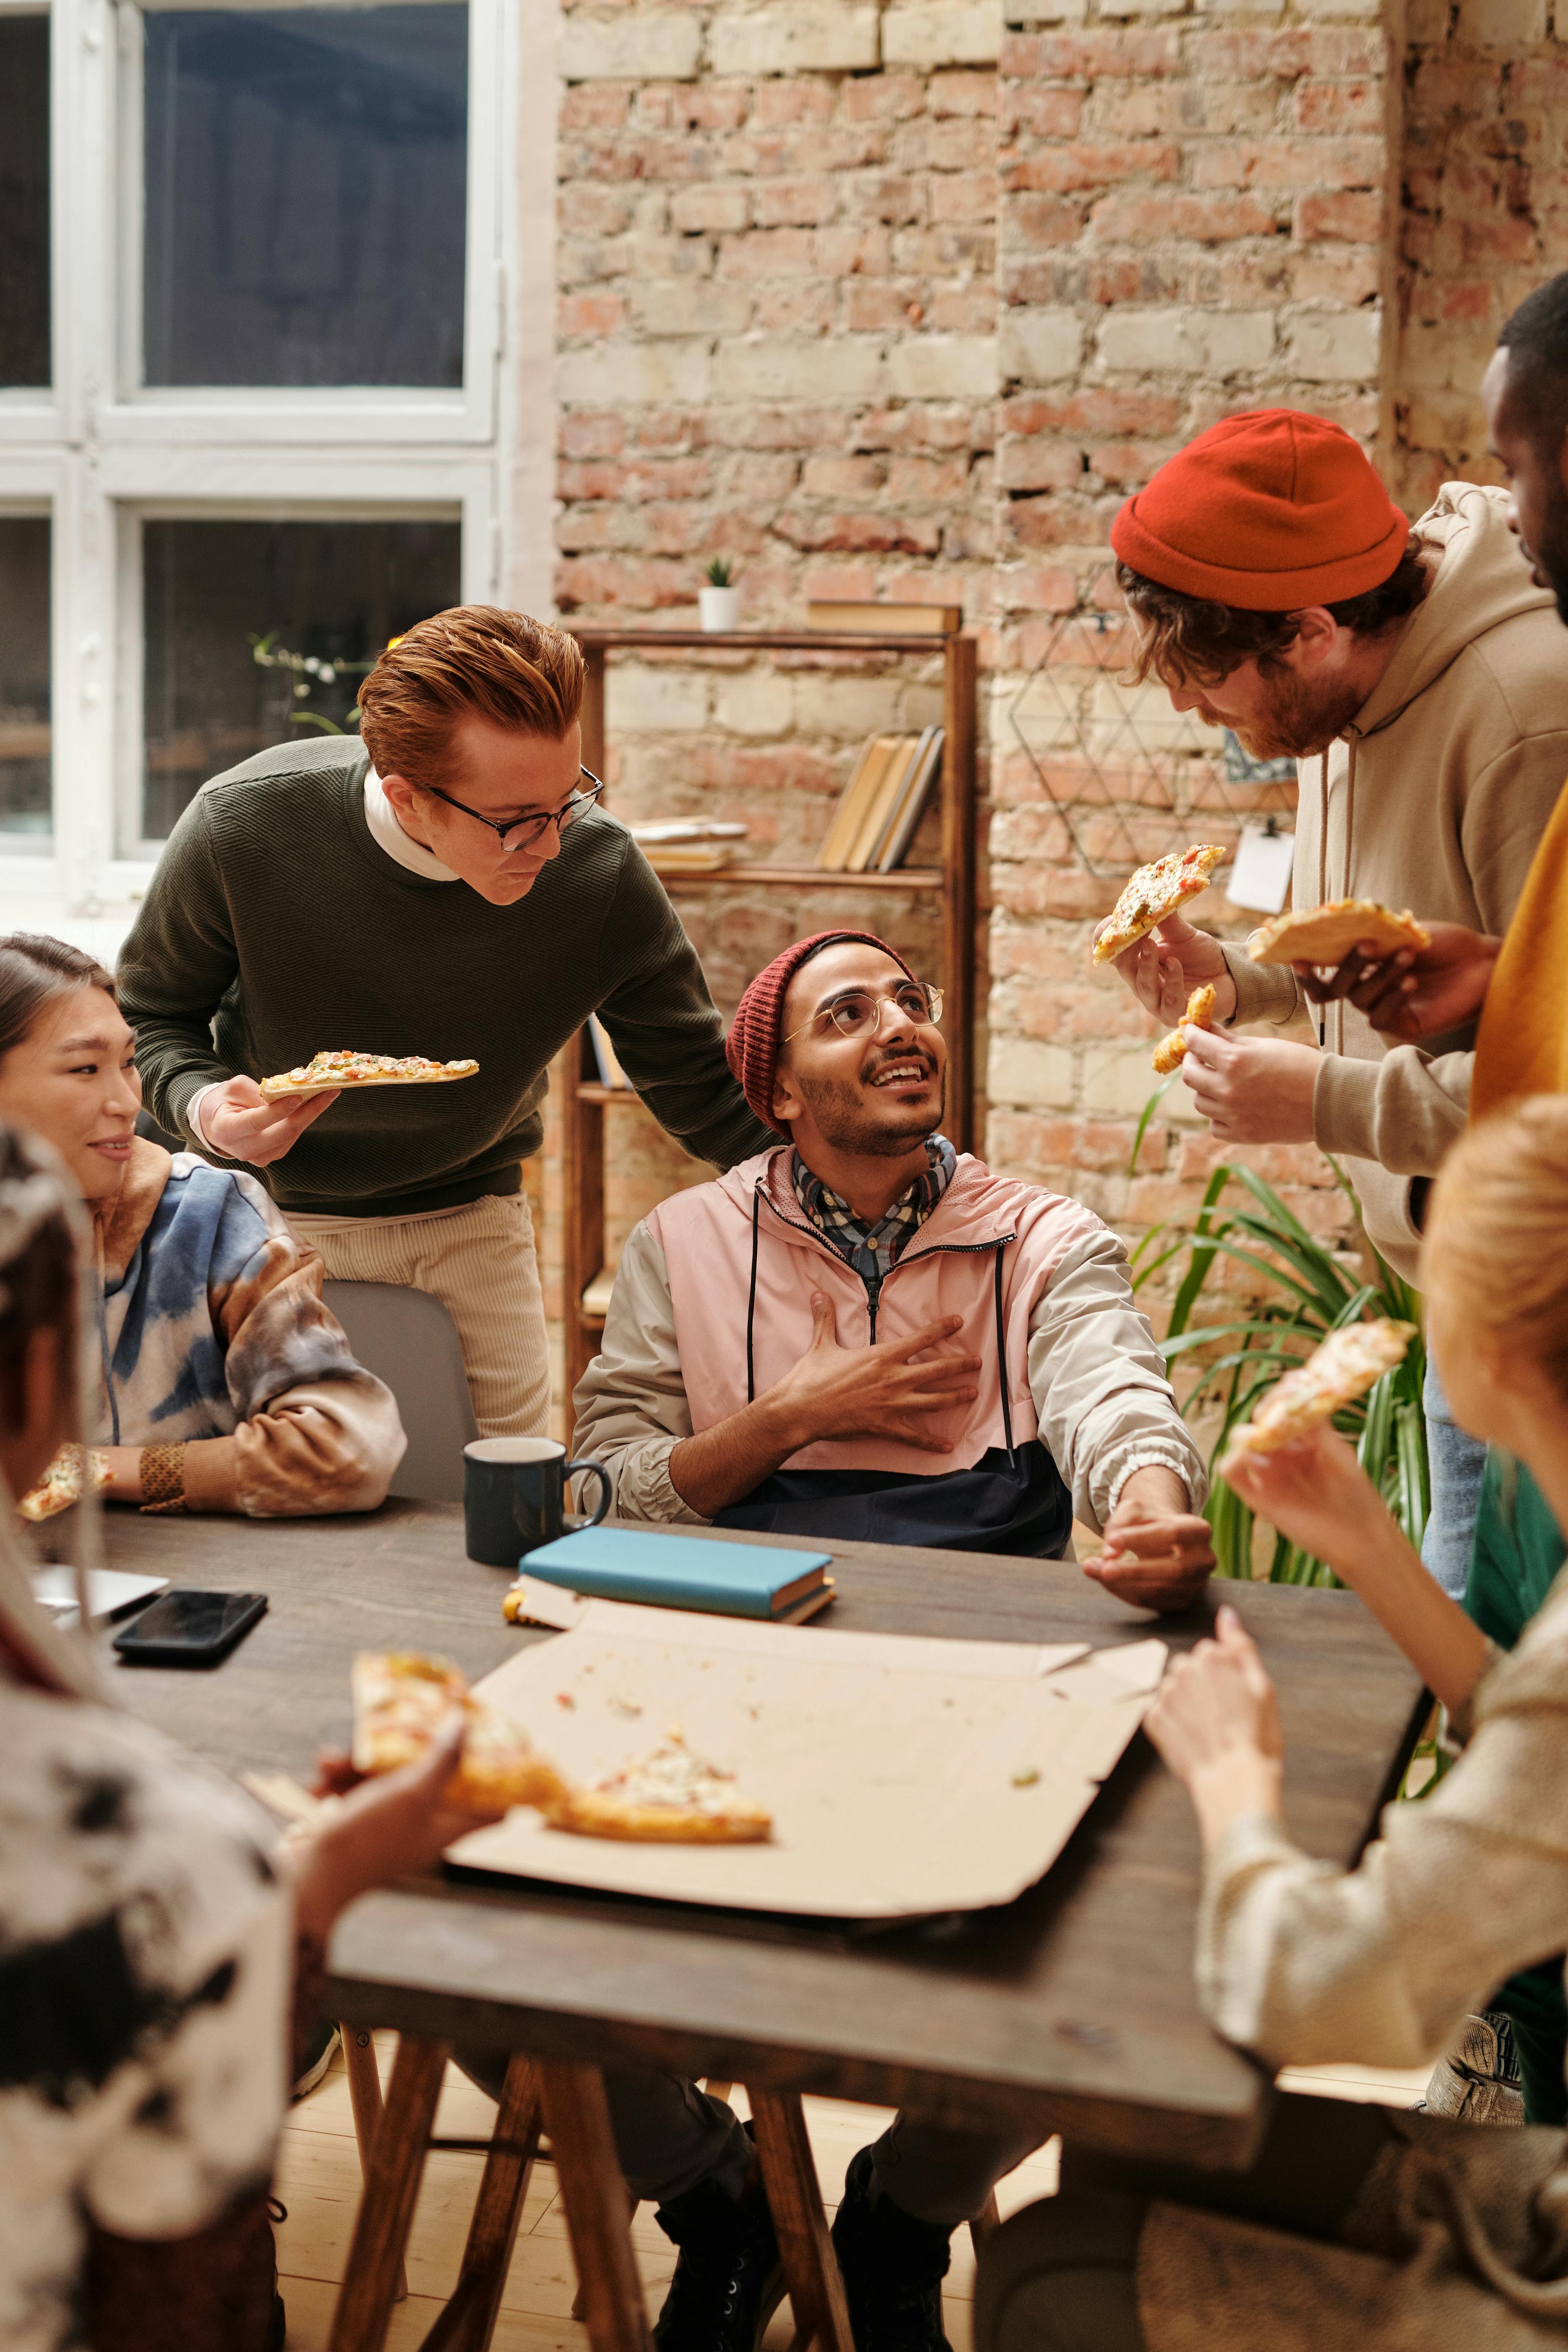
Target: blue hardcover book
pixel 672 1571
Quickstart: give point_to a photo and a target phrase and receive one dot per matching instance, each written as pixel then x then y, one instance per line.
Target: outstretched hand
pixel 881 1392
pixel 240 1123
pixel 1416 993
pixel 1215 1721
pixel 393 1826
pixel 1158 1554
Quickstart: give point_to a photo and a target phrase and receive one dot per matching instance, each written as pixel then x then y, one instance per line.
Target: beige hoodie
pixel 1435 799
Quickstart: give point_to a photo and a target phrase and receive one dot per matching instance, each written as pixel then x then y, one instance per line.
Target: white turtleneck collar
pixel 388 835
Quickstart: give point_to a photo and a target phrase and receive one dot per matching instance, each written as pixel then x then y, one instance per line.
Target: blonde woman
pixel 1413 2233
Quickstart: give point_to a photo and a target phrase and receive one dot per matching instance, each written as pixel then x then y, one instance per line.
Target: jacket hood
pixel 120 1220
pixel 1481 580
pixel 977 1211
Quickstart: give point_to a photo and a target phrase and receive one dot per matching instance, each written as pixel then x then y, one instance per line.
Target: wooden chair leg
pixel 576 2116
pixel 580 2300
pixel 468 2321
pixel 988 2219
pixel 392 2176
pixel 805 2247
pixel 365 2098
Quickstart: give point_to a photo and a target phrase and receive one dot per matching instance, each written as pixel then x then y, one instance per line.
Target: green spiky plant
pixel 1311 1291
pixel 720 571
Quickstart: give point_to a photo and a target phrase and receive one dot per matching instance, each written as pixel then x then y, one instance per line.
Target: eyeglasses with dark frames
pixel 521 832
pixel 858 1013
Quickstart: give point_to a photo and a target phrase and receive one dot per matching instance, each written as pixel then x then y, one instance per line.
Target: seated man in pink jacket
pixel 859 1334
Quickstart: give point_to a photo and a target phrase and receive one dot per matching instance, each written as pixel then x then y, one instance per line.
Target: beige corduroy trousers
pixel 479 1261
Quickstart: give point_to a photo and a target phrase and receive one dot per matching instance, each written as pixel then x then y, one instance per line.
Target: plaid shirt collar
pixel 873 1250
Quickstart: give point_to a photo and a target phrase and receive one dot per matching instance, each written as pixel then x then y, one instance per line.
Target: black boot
pixel 728 2283
pixel 893 2268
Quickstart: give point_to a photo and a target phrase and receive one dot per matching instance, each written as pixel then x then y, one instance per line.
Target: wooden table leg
pixel 468 2321
pixel 365 2098
pixel 576 2116
pixel 393 2177
pixel 805 2247
pixel 580 2300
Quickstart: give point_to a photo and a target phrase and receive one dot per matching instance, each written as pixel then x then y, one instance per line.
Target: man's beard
pixel 1300 720
pixel 840 1115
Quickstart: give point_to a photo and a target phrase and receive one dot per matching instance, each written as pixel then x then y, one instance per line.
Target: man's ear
pixel 786 1103
pixel 1316 639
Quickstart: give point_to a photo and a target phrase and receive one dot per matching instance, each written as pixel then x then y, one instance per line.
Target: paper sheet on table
pixel 898 1771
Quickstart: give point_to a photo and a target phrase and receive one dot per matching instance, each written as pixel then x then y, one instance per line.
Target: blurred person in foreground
pixel 1409 2232
pixel 161 1958
pixel 1416 677
pixel 443 884
pixel 223 1383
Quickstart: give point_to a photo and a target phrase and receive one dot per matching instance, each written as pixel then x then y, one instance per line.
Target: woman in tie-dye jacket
pixel 227 1386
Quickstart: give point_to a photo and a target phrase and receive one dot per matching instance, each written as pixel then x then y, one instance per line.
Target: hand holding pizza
pixel 1416 992
pixel 1163 967
pixel 1251 1089
pixel 387 1828
pixel 240 1124
pixel 1316 1493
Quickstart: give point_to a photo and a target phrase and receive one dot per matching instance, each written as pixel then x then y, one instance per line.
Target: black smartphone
pixel 190 1629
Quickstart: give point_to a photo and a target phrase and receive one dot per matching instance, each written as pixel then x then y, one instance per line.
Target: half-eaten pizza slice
pixel 1343 1368
pixel 1154 892
pixel 671 1797
pixel 402 1698
pixel 346 1069
pixel 1325 935
pixel 65 1481
pixel 1171 1051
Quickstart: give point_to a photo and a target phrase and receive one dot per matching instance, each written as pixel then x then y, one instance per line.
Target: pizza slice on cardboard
pixel 65 1481
pixel 1154 892
pixel 1325 935
pixel 401 1700
pixel 346 1069
pixel 671 1797
pixel 1171 1051
pixel 1343 1368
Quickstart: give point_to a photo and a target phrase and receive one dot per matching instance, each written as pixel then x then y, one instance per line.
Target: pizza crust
pixel 1345 1365
pixel 342 1068
pixel 401 1700
pixel 65 1481
pixel 1154 892
pixel 1171 1051
pixel 1325 935
pixel 671 1797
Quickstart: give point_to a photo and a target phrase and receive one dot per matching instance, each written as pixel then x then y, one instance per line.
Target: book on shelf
pixel 596 1298
pixel 606 1060
pixel 923 772
pixel 886 620
pixel 679 829
pixel 690 857
pixel 883 803
pixel 684 844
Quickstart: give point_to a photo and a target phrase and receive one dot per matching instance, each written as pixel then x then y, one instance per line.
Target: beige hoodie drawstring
pixel 1344 889
pixel 1321 1020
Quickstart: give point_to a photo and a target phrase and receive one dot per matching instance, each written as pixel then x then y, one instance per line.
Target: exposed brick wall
pixel 1189 223
pixel 1484 215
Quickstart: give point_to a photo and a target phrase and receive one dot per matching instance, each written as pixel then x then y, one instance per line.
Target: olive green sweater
pixel 276 927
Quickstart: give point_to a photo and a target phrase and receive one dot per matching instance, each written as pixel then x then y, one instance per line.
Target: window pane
pixel 23 674
pixel 305 198
pixel 23 200
pixel 218 595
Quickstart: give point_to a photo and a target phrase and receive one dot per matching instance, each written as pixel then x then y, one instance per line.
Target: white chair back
pixel 408 1339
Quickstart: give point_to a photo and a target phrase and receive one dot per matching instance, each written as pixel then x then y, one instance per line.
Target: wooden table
pixel 1071 2010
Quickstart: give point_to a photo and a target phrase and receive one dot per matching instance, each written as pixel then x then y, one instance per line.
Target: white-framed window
pixel 253 410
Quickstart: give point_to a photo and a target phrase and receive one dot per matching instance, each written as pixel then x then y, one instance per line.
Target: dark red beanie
pixel 751 1048
pixel 1264 512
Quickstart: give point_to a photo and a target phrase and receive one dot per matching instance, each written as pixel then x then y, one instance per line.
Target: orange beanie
pixel 1265 513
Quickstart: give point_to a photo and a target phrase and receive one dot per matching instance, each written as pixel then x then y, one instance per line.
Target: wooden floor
pixel 318 2181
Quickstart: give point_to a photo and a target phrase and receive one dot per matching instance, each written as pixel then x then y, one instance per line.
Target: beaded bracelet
pixel 163 1478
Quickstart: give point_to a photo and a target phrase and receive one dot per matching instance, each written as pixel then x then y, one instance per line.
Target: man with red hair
pixel 1415 674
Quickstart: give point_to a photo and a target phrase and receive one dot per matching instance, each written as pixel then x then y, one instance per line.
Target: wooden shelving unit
pixel 952 881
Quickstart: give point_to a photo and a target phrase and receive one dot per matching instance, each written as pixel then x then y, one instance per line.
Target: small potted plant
pixel 720 600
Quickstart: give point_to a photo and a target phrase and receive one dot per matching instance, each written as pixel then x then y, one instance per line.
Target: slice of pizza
pixel 402 1698
pixel 1154 892
pixel 346 1069
pixel 671 1797
pixel 65 1481
pixel 1326 934
pixel 1171 1051
pixel 1343 1368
